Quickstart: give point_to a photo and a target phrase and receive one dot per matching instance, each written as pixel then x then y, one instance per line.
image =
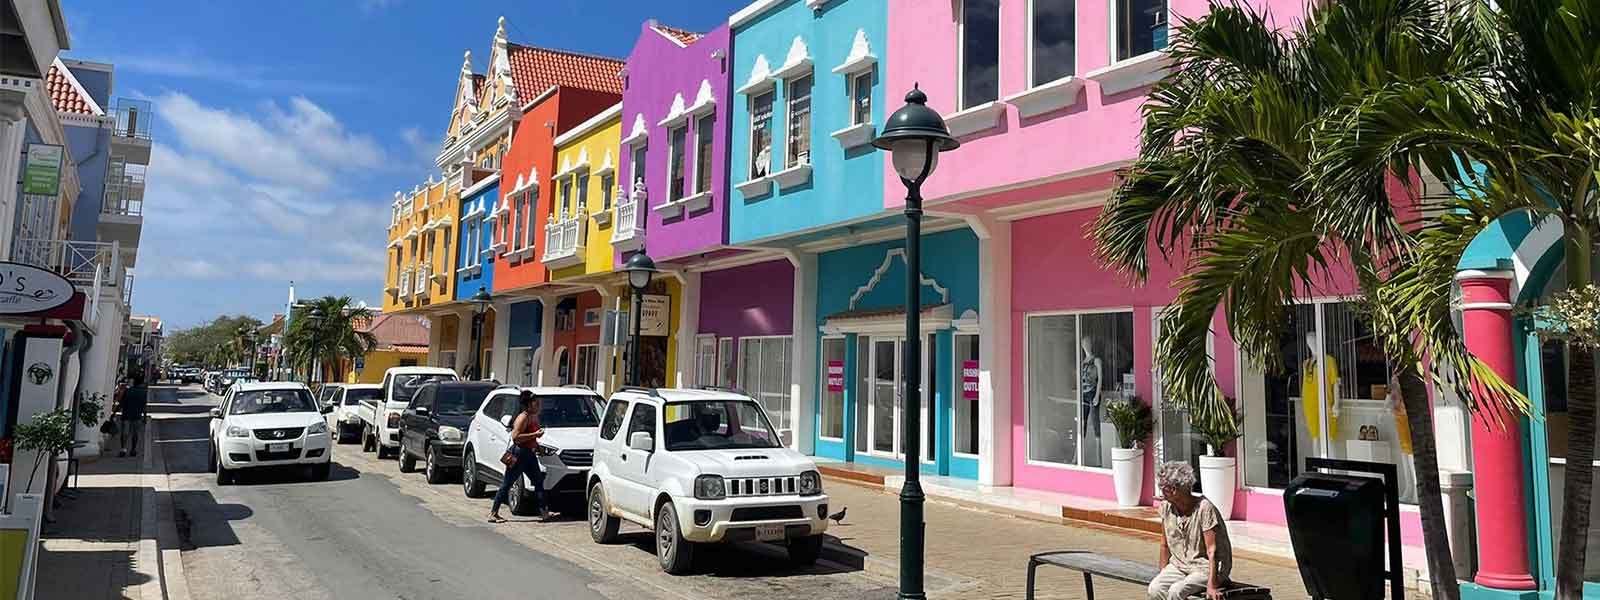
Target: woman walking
pixel 523 457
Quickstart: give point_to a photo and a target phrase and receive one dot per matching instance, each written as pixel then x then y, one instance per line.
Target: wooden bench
pixel 1109 567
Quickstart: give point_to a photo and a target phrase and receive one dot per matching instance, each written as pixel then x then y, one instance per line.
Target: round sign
pixel 30 289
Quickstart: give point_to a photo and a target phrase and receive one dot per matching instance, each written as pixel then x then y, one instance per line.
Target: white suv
pixel 702 466
pixel 570 417
pixel 269 425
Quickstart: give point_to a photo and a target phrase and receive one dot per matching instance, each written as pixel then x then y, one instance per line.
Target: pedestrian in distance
pixel 132 415
pixel 522 457
pixel 1195 554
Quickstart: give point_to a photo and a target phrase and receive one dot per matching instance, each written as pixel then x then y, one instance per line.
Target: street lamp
pixel 315 368
pixel 640 268
pixel 480 304
pixel 914 137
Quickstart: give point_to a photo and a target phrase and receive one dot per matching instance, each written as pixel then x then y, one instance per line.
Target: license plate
pixel 769 533
pixel 284 447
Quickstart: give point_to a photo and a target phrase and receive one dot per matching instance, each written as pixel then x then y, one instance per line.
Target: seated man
pixel 1195 554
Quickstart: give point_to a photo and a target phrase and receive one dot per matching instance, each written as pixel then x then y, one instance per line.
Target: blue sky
pixel 287 126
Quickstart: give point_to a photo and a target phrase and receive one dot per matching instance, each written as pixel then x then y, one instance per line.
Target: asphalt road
pixel 373 532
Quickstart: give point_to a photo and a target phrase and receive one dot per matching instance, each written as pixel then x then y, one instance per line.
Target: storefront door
pixel 885 408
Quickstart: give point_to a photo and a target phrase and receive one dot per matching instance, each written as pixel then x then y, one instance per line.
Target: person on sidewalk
pixel 1195 554
pixel 524 451
pixel 132 415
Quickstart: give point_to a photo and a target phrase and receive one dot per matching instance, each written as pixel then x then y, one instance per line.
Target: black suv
pixel 433 427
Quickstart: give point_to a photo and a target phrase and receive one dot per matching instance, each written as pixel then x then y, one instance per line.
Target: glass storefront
pixel 1554 359
pixel 1076 363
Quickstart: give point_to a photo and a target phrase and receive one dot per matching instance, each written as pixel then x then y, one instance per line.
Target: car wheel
pixel 430 466
pixel 211 458
pixel 471 486
pixel 408 463
pixel 383 453
pixel 803 551
pixel 602 526
pixel 674 552
pixel 320 472
pixel 369 441
pixel 521 501
pixel 225 476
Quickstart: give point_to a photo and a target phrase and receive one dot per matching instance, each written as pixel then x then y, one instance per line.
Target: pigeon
pixel 838 517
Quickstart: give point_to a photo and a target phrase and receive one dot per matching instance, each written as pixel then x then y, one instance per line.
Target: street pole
pixel 633 350
pixel 477 344
pixel 911 499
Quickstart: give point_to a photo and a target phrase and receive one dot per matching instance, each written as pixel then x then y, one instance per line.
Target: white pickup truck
pixel 380 418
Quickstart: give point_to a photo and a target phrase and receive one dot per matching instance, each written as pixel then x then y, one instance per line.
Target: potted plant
pixel 48 434
pixel 1133 422
pixel 1218 423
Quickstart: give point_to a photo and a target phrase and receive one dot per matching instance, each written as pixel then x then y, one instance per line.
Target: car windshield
pixel 717 425
pixel 459 401
pixel 357 396
pixel 568 411
pixel 255 402
pixel 406 386
pixel 326 393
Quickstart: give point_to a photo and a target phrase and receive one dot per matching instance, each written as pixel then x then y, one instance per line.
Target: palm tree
pixel 1533 142
pixel 246 339
pixel 327 332
pixel 1221 187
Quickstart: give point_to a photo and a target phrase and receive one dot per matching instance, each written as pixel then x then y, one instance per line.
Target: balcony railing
pixel 127 289
pixel 82 263
pixel 133 118
pixel 420 287
pixel 124 189
pixel 563 240
pixel 405 283
pixel 626 233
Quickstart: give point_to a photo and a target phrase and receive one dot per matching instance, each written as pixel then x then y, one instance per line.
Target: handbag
pixel 509 457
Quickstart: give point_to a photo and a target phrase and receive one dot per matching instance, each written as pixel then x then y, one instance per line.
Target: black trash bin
pixel 1336 527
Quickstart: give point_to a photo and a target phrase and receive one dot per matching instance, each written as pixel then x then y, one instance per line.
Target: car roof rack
pixel 578 386
pixel 721 388
pixel 648 391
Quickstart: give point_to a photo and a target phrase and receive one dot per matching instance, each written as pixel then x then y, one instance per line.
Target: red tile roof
pixel 535 70
pixel 682 36
pixel 393 330
pixel 64 94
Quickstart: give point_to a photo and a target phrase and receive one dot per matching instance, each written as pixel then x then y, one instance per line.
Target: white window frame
pixel 790 118
pixel 641 154
pixel 1030 39
pixel 772 139
pixel 853 86
pixel 577 365
pixel 956 391
pixel 528 204
pixel 672 155
pixel 1113 15
pixel 580 181
pixel 822 384
pixel 961 57
pixel 700 149
pixel 701 377
pixel 1027 368
pixel 726 349
pixel 565 207
pixel 788 390
pixel 608 187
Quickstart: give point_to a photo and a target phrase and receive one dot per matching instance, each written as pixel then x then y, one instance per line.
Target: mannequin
pixel 1089 374
pixel 1310 398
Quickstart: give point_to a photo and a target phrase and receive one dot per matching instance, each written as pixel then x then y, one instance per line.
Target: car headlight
pixel 710 487
pixel 810 483
pixel 237 431
pixel 317 427
pixel 449 434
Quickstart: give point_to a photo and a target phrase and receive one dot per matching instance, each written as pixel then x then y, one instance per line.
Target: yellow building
pixel 578 233
pixel 402 342
pixel 420 272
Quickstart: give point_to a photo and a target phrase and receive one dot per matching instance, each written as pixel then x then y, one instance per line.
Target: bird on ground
pixel 838 517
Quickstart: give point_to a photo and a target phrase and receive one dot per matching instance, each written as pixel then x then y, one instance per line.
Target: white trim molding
pixel 1132 73
pixel 638 134
pixel 859 134
pixel 760 80
pixel 982 117
pixel 755 187
pixel 798 62
pixel 792 176
pixel 860 58
pixel 1047 98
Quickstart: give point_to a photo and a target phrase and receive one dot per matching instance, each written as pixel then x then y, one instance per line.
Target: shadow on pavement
pixel 757 559
pixel 82 573
pixel 291 475
pixel 202 522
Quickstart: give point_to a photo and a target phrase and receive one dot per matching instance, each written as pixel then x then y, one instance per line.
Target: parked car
pixel 570 417
pixel 213 381
pixel 702 466
pixel 269 425
pixel 433 428
pixel 190 375
pixel 325 393
pixel 381 418
pixel 343 418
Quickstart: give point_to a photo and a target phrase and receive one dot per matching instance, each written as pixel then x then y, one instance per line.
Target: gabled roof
pixel 67 94
pixel 535 70
pixel 683 37
pixel 392 330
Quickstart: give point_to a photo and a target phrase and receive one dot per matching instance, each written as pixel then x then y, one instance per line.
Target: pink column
pixel 1498 468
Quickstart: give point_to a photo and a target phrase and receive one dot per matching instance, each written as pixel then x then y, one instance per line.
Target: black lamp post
pixel 914 137
pixel 480 305
pixel 640 268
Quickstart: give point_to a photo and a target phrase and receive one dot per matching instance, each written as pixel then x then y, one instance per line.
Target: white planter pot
pixel 1127 474
pixel 1219 479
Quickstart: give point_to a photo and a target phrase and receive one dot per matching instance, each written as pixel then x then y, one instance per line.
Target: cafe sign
pixel 41 173
pixel 30 289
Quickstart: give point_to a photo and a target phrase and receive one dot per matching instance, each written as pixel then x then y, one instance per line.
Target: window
pixel 861 98
pixel 675 163
pixel 494 231
pixel 764 374
pixel 799 142
pixel 521 366
pixel 588 365
pixel 760 134
pixel 1076 363
pixel 1140 27
pixel 705 360
pixel 832 401
pixel 447 359
pixel 643 420
pixel 727 363
pixel 527 219
pixel 1052 32
pixel 608 186
pixel 495 406
pixel 423 399
pixel 717 425
pixel 583 190
pixel 639 153
pixel 517 235
pixel 980 52
pixel 704 134
pixel 964 423
pixel 566 197
pixel 613 421
pixel 458 401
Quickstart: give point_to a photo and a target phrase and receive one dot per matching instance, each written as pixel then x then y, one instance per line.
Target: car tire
pixel 803 551
pixel 383 453
pixel 320 472
pixel 521 501
pixel 430 466
pixel 602 526
pixel 471 485
pixel 673 552
pixel 225 476
pixel 211 457
pixel 369 440
pixel 408 463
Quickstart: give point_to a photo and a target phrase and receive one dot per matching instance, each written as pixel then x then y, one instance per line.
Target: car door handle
pixel 624 458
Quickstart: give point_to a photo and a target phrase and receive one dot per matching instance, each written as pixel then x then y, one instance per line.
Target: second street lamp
pixel 480 304
pixel 914 137
pixel 640 268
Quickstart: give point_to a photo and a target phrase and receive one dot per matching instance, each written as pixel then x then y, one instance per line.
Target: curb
pixel 158 533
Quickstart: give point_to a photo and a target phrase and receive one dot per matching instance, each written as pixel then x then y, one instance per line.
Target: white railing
pixel 405 283
pixel 127 290
pixel 626 227
pixel 83 263
pixel 420 288
pixel 124 189
pixel 563 238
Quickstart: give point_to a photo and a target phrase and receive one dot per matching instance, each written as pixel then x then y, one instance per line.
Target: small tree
pixel 1217 423
pixel 1133 421
pixel 48 434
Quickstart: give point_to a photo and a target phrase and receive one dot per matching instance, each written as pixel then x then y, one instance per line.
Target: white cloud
pixel 303 146
pixel 254 78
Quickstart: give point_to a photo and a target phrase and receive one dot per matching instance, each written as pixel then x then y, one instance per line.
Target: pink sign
pixel 969 380
pixel 835 376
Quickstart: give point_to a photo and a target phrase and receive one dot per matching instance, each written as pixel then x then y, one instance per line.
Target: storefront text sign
pixel 29 289
pixel 41 175
pixel 654 313
pixel 835 376
pixel 969 380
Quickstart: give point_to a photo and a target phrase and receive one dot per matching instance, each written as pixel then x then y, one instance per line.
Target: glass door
pixel 885 410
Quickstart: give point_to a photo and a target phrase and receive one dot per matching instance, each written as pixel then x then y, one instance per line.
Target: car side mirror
pixel 642 441
pixel 421 411
pixel 327 408
pixel 216 413
pixel 506 421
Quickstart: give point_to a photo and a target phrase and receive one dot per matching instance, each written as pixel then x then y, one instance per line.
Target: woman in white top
pixel 1195 554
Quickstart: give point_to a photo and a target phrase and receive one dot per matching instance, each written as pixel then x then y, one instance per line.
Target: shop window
pixel 675 163
pixel 1140 27
pixel 639 153
pixel 764 374
pixel 705 360
pixel 964 405
pixel 727 364
pixel 1076 363
pixel 980 52
pixel 1052 34
pixel 1329 398
pixel 588 365
pixel 583 190
pixel 832 401
pixel 704 132
pixel 608 187
pixel 799 142
pixel 566 198
pixel 861 98
pixel 521 366
pixel 760 134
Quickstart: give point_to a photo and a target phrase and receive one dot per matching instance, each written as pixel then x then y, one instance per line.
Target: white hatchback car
pixel 702 466
pixel 570 417
pixel 269 425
